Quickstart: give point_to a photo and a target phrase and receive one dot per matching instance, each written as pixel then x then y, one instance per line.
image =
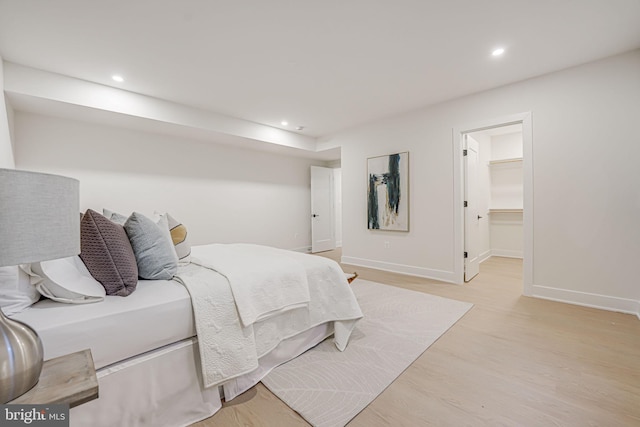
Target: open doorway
pixel 493 195
pixel 494 177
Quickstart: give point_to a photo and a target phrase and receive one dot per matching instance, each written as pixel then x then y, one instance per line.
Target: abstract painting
pixel 388 192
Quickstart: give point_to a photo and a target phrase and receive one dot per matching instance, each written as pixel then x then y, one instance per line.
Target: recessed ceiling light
pixel 284 123
pixel 117 78
pixel 497 52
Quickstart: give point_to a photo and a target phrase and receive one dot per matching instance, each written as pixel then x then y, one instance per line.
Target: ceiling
pixel 324 65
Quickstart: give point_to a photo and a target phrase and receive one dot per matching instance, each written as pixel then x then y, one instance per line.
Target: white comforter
pixel 229 349
pixel 264 281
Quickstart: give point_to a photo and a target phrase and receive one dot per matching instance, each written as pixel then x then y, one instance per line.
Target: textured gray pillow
pixel 107 253
pixel 151 243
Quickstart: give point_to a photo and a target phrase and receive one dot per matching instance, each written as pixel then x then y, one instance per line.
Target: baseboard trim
pixel 506 253
pixel 485 256
pixel 410 270
pixel 603 302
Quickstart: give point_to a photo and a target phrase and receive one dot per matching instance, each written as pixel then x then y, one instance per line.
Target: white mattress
pixel 158 313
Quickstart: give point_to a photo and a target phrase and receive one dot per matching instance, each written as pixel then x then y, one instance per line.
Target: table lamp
pixel 39 220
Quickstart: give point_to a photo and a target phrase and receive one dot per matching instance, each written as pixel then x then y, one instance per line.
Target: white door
pixel 471 214
pixel 322 234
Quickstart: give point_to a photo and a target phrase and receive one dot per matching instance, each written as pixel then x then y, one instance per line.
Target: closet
pixel 506 195
pixel 500 187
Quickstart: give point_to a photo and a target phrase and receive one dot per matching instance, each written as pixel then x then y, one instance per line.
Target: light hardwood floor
pixel 510 361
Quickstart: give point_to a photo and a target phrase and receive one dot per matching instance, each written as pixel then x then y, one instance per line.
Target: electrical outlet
pixel 386 244
pixel 295 236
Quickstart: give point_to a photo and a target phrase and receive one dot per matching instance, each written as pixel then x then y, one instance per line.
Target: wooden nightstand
pixel 66 379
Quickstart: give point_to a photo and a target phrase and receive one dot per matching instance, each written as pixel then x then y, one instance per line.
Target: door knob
pixel 479 217
pixel 315 215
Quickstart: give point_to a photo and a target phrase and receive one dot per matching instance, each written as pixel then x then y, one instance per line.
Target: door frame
pixel 458 192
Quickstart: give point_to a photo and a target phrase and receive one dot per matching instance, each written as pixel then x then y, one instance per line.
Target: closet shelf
pixel 502 161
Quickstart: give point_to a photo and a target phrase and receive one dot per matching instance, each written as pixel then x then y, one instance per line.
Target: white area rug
pixel 328 387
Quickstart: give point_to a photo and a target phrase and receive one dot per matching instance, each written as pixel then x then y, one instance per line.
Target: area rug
pixel 328 387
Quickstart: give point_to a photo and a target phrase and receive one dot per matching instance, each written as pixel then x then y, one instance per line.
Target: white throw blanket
pixel 229 350
pixel 265 281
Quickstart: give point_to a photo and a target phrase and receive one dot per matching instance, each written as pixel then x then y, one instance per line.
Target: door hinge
pixel 465 204
pixel 466 255
pixel 464 152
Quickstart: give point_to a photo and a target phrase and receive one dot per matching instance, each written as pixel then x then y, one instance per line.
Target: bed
pixel 159 365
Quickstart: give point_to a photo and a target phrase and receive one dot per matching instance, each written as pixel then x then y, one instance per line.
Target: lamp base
pixel 21 358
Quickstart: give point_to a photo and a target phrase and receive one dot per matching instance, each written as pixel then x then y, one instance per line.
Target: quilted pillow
pixel 151 243
pixel 107 253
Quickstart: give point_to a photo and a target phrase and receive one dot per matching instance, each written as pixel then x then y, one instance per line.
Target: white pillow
pixel 67 280
pixel 179 238
pixel 16 290
pixel 114 216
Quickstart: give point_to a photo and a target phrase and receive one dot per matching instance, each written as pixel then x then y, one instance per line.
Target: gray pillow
pixel 151 243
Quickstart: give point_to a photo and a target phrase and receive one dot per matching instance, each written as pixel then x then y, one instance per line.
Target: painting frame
pixel 388 192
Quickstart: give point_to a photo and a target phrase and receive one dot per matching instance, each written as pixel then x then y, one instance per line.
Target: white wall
pixel 585 177
pixel 507 234
pixel 6 147
pixel 506 146
pixel 221 193
pixel 507 187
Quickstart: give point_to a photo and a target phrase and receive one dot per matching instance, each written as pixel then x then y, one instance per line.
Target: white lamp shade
pixel 39 217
